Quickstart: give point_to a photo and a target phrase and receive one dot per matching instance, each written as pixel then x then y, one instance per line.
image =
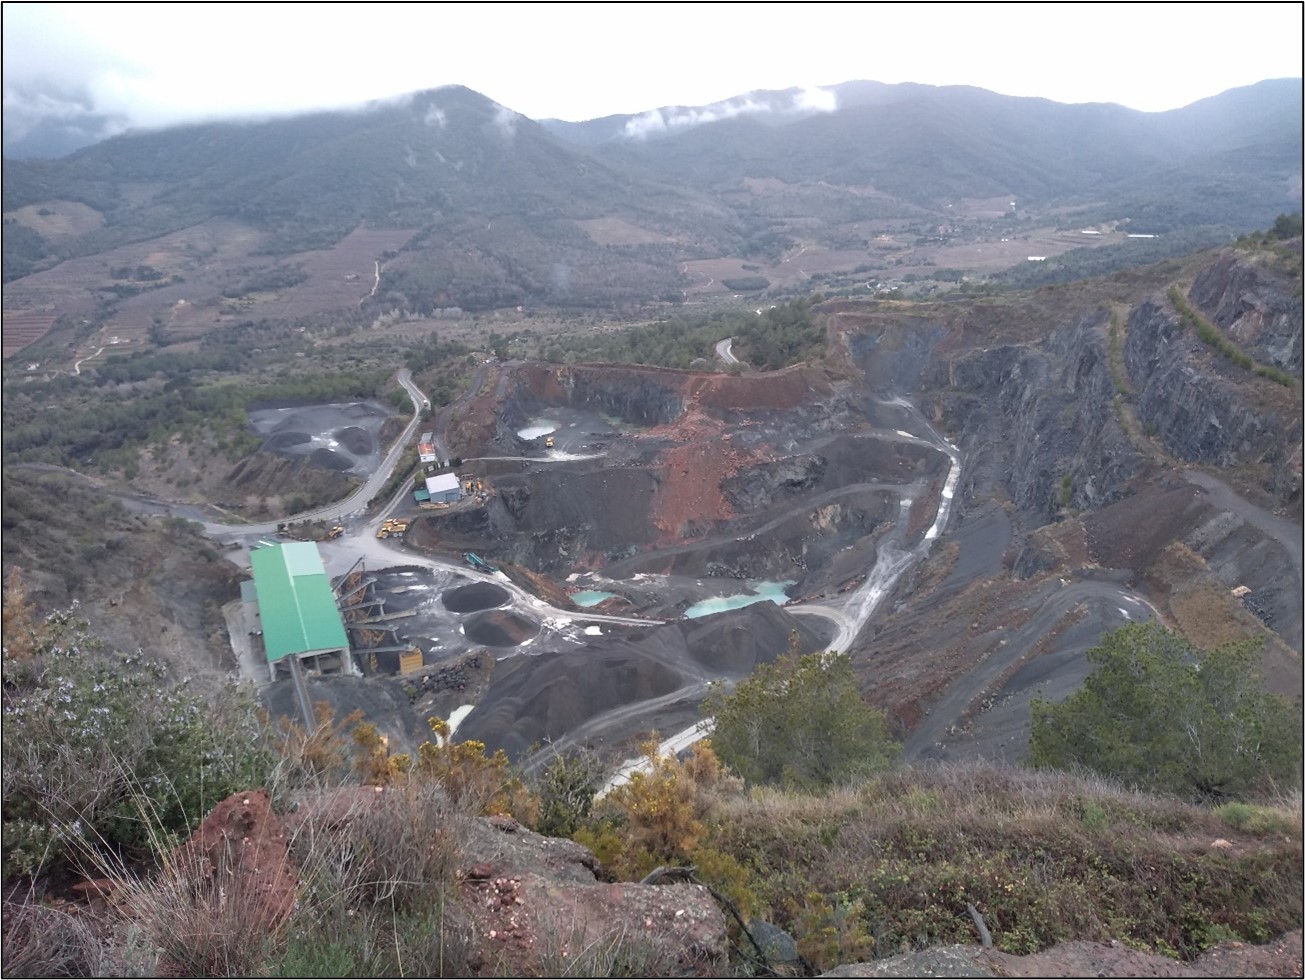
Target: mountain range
pixel 504 210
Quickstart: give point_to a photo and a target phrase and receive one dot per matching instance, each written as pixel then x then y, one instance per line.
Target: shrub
pixel 1260 819
pixel 566 793
pixel 1157 715
pixel 104 752
pixel 477 782
pixel 800 722
pixel 664 816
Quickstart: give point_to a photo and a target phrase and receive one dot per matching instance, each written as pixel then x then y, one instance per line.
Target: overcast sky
pixel 159 63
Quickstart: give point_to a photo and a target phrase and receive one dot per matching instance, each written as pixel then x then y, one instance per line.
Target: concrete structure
pixel 444 488
pixel 297 612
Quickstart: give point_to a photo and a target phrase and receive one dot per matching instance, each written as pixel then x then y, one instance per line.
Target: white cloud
pixel 505 121
pixel 168 62
pixel 650 123
pixel 812 99
pixel 657 122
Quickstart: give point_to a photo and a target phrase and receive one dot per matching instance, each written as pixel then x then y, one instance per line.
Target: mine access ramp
pixel 478 563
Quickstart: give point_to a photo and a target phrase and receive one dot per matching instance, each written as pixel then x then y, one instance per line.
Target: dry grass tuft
pixel 1044 856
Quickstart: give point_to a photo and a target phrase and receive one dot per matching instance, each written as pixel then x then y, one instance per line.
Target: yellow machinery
pixel 394 525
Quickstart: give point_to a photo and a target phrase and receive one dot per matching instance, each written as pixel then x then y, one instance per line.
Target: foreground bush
pixel 1158 714
pixel 1044 858
pixel 104 753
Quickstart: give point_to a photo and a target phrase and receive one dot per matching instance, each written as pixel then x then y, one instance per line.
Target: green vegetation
pixel 566 792
pixel 1102 260
pixel 1118 373
pixel 103 754
pixel 1158 715
pixel 1286 226
pixel 268 280
pixel 800 723
pixel 107 430
pixel 890 865
pixel 784 334
pixel 1212 336
pixel 1066 489
pixel 746 284
pixel 103 767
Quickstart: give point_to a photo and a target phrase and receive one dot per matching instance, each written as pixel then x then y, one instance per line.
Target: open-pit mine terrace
pixel 727 511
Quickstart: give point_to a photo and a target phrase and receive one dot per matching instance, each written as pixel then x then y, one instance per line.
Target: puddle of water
pixel 537 428
pixel 591 598
pixel 762 592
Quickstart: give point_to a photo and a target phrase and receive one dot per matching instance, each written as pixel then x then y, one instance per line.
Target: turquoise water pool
pixel 591 598
pixel 761 592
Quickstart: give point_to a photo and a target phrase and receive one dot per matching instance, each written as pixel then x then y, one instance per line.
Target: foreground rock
pixel 242 845
pixel 1281 958
pixel 537 906
pixel 532 905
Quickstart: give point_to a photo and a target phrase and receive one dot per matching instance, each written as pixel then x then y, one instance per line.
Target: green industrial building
pixel 297 612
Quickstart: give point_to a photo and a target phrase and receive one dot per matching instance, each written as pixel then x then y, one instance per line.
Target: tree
pixel 1158 714
pixel 1287 226
pixel 800 722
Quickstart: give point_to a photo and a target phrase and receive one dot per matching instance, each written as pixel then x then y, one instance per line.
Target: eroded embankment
pixel 1098 524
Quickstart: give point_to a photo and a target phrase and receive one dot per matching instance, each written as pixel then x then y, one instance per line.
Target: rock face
pixel 1040 420
pixel 761 486
pixel 242 844
pixel 537 906
pixel 1280 958
pixel 1257 310
pixel 640 396
pixel 1200 416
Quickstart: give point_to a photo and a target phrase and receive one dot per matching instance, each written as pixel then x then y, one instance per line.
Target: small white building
pixel 426 447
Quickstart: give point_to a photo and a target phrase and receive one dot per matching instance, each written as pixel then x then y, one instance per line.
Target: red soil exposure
pixel 242 843
pixel 700 459
pixel 689 499
pixel 784 389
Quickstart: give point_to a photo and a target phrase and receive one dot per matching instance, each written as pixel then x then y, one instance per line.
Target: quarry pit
pixel 684 526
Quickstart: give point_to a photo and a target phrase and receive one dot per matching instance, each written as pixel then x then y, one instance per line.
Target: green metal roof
pixel 295 601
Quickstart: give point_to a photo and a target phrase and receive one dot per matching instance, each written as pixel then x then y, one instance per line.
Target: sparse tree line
pixel 109 430
pixel 777 336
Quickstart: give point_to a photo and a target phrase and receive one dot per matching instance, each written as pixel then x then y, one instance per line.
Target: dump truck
pixel 548 443
pixel 335 532
pixel 393 526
